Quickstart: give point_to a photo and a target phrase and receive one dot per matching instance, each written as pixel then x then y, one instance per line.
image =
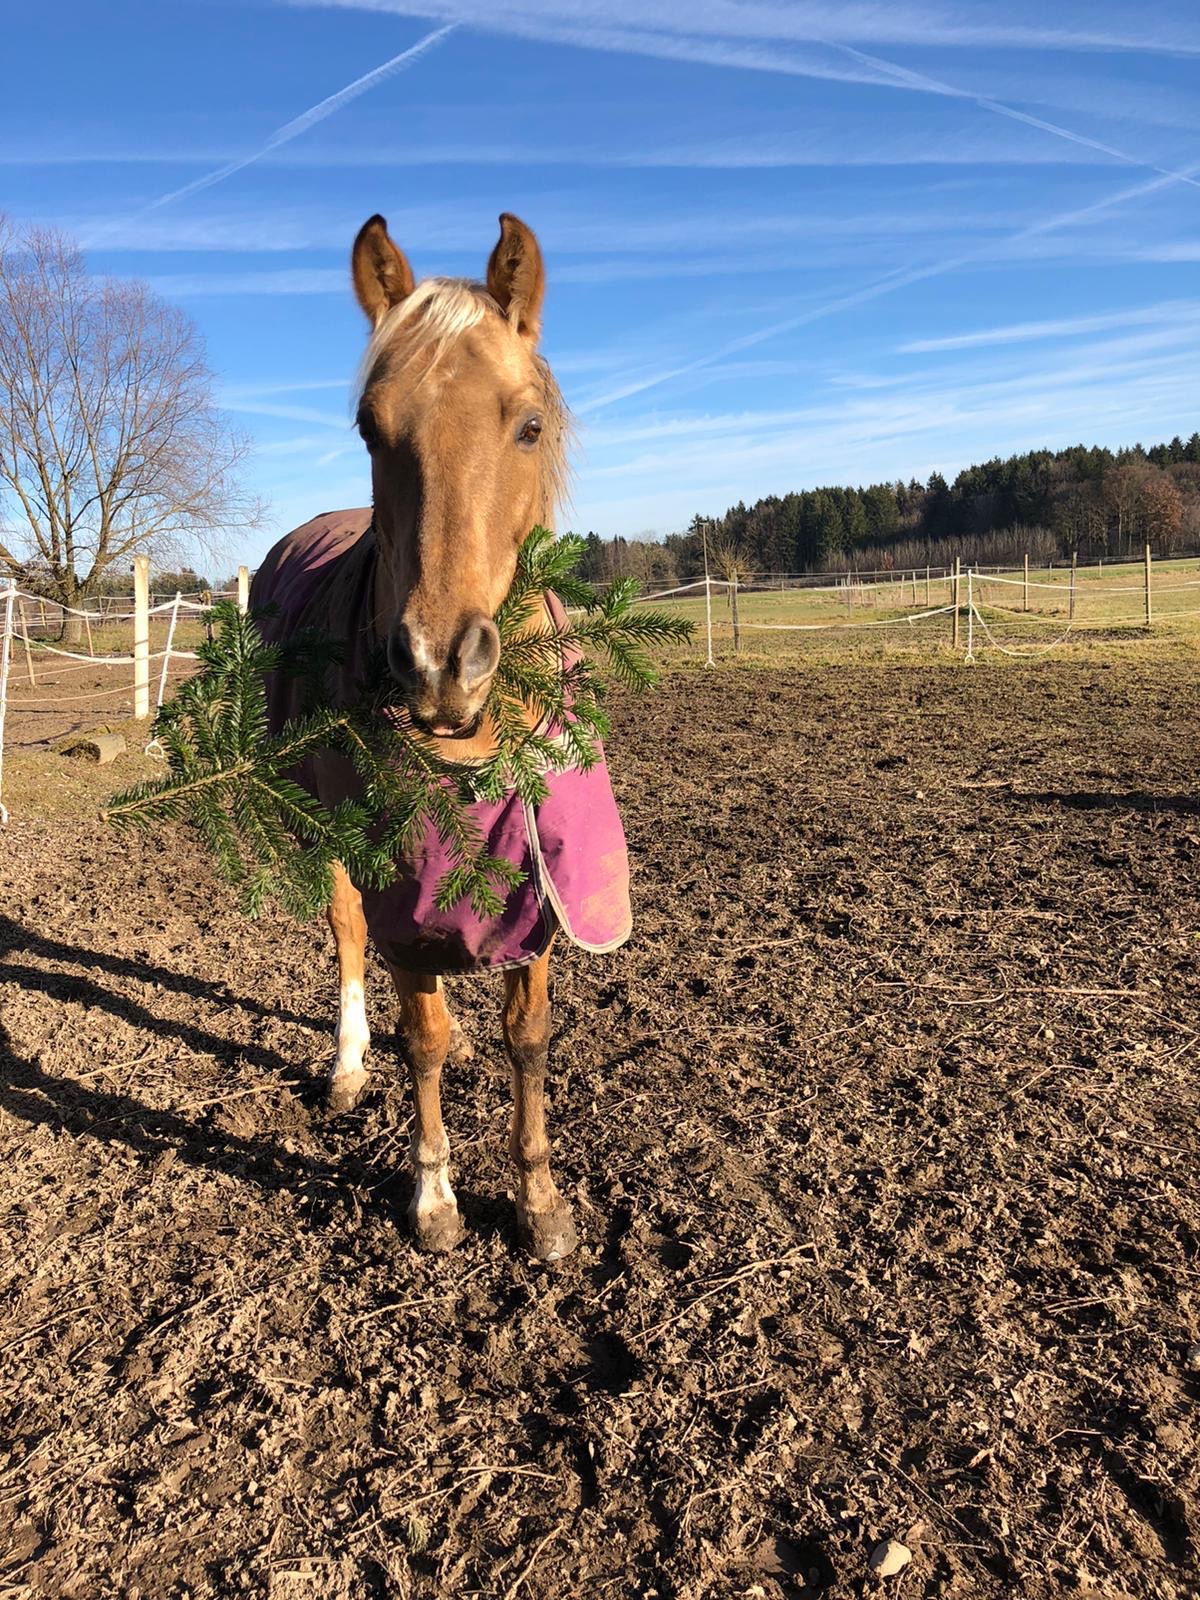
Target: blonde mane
pixel 426 324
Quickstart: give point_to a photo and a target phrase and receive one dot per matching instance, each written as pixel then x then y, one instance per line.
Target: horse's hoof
pixel 344 1093
pixel 549 1235
pixel 438 1231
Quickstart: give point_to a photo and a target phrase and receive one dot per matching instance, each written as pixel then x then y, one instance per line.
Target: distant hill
pixel 1099 503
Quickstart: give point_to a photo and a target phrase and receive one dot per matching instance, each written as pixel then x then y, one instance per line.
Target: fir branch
pixel 269 838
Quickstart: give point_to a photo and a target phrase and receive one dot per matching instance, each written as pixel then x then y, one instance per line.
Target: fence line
pixel 842 627
pixel 12 608
pixel 973 608
pixel 937 574
pixel 899 587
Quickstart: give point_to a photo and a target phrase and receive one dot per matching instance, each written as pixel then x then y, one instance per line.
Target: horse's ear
pixel 382 275
pixel 516 278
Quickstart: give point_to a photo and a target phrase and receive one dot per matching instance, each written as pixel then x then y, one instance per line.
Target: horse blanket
pixel 571 847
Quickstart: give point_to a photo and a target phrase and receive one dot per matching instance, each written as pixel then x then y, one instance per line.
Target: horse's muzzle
pixel 444 689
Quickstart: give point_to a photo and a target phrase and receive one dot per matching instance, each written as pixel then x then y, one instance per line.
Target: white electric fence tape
pixel 845 588
pixel 12 596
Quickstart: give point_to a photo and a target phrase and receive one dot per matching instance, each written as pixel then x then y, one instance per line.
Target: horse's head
pixel 467 433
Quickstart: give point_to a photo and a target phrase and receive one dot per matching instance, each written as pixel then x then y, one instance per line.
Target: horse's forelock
pixel 437 312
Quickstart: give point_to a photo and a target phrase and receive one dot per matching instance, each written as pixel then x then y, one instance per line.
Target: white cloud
pixel 812 22
pixel 289 280
pixel 1181 250
pixel 761 37
pixel 921 81
pixel 657 468
pixel 663 468
pixel 880 287
pixel 565 226
pixel 831 144
pixel 249 405
pixel 254 391
pixel 1171 312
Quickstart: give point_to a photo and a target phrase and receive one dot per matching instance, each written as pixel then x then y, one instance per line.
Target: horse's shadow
pixel 1184 805
pixel 333 1186
pixel 42 1098
pixel 15 937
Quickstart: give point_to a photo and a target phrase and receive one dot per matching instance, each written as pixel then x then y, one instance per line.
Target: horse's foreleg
pixel 425 1032
pixel 348 1076
pixel 545 1217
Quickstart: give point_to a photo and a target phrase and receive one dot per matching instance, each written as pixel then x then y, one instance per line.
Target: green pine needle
pixel 228 778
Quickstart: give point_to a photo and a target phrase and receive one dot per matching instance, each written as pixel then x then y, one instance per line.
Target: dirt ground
pixel 881 1135
pixel 69 697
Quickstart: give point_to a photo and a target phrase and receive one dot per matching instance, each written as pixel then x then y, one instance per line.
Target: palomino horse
pixel 467 435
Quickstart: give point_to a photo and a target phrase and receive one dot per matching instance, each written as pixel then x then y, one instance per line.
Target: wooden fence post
pixel 954 630
pixel 243 589
pixel 928 601
pixel 1071 608
pixel 141 637
pixel 87 623
pixel 970 618
pixel 6 632
pixel 24 624
pixel 1149 610
pixel 1026 589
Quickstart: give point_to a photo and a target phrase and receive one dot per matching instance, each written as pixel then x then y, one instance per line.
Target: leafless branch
pixel 111 444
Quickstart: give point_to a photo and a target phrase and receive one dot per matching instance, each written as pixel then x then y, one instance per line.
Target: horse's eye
pixel 531 432
pixel 367 430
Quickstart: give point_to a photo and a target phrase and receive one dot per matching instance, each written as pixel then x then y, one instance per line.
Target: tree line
pixel 1087 501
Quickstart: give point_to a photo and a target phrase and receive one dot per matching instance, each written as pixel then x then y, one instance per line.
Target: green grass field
pixel 891 619
pixel 868 622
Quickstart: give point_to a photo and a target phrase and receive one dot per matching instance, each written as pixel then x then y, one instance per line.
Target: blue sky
pixel 787 243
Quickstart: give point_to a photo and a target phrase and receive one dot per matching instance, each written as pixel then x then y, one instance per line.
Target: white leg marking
pixel 353 1035
pixel 433 1191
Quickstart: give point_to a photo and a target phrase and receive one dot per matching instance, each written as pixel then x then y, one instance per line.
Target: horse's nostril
pixel 477 654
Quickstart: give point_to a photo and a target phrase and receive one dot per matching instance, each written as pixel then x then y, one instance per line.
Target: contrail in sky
pixel 898 279
pixel 308 119
pixel 919 80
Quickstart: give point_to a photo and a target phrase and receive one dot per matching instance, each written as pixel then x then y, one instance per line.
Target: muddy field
pixel 881 1135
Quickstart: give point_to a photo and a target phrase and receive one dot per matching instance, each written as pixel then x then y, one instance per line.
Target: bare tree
pixel 1143 505
pixel 110 442
pixel 731 563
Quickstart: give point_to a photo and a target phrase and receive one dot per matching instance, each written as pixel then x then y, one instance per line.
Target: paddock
pixel 881 1135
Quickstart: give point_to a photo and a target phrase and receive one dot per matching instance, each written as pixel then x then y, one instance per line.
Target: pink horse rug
pixel 571 847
